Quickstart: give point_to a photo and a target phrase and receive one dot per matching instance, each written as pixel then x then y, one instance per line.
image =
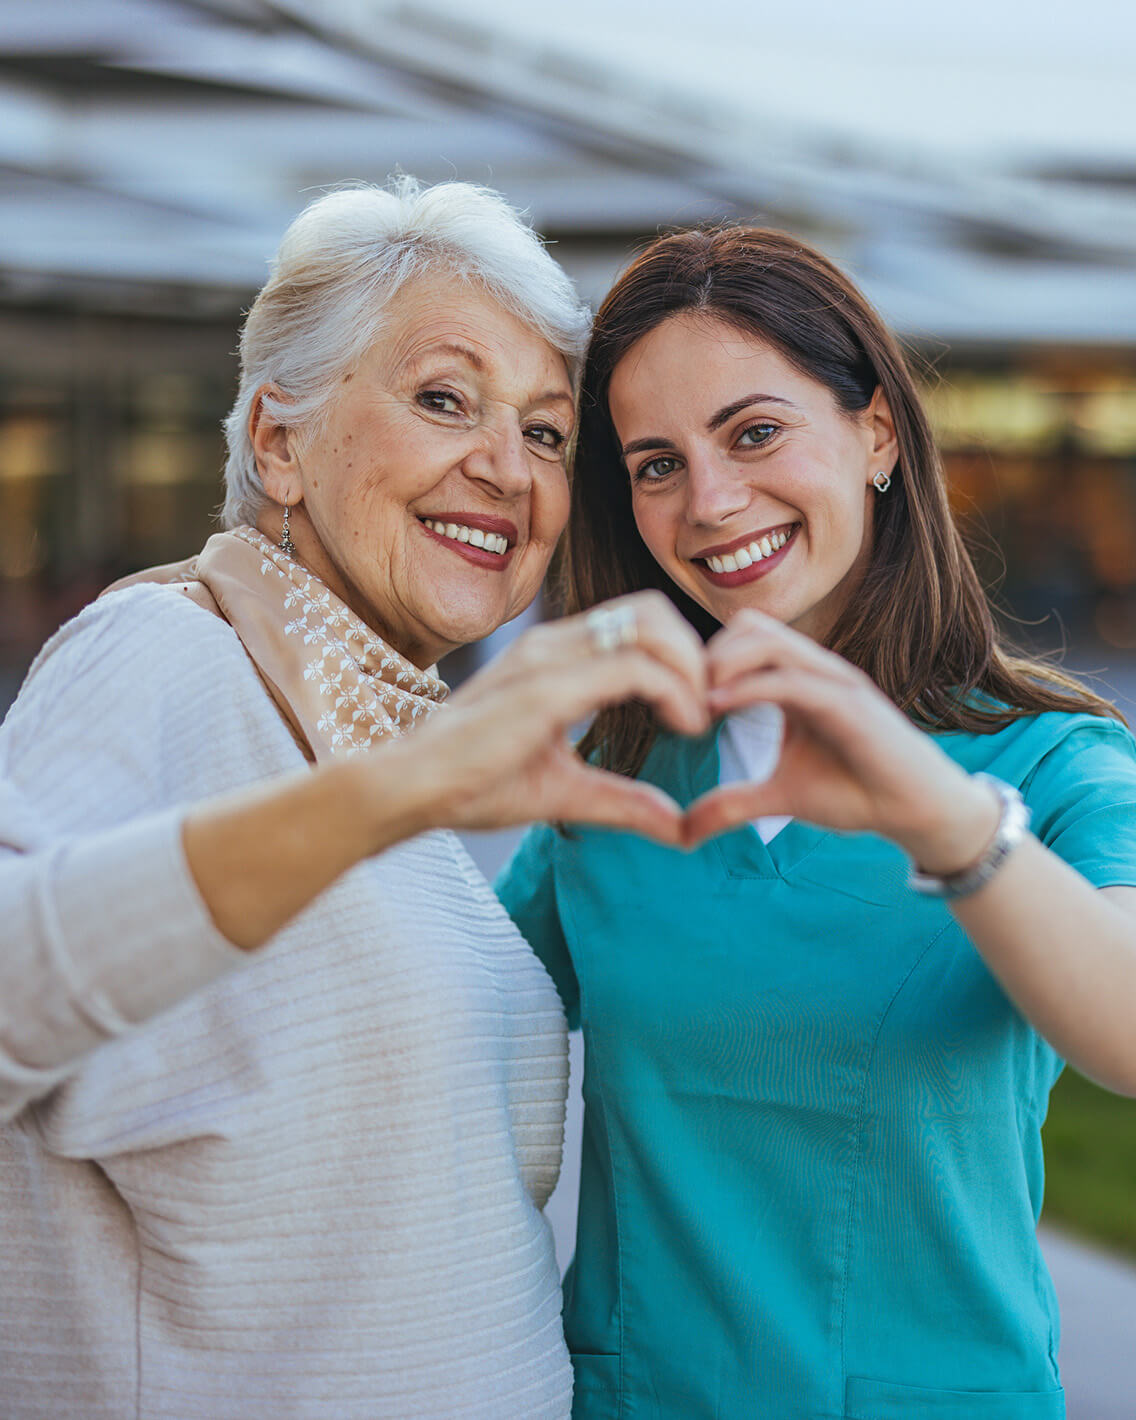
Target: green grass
pixel 1090 1163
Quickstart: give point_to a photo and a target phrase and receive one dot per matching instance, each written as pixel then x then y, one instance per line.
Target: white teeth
pixel 491 542
pixel 743 557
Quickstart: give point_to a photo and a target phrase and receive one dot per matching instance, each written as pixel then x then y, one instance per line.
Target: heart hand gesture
pixel 850 759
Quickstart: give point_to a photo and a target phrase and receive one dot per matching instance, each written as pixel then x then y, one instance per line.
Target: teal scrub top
pixel 812 1166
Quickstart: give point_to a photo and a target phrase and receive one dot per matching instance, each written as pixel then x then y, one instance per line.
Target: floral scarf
pixel 337 683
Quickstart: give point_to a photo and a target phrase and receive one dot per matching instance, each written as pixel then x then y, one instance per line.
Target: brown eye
pixel 546 435
pixel 440 401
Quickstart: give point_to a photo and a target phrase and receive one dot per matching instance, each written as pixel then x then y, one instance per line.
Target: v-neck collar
pixel 742 851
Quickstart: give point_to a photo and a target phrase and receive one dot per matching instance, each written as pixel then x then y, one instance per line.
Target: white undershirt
pixel 748 747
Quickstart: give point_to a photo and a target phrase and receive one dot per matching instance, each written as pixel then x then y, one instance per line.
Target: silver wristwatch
pixel 1012 828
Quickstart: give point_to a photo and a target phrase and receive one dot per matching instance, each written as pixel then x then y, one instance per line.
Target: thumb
pixel 597 796
pixel 729 807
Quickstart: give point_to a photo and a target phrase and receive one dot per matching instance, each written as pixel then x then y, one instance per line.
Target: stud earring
pixel 882 481
pixel 286 543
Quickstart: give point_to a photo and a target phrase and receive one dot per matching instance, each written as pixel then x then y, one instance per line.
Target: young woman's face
pixel 749 484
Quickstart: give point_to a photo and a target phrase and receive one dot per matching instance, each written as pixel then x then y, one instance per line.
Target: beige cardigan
pixel 311 1187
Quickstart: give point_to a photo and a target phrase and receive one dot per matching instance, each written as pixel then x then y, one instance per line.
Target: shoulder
pixel 1053 741
pixel 1077 773
pixel 146 625
pixel 135 655
pixel 144 698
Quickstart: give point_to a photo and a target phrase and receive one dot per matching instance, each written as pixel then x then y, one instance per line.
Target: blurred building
pixel 152 152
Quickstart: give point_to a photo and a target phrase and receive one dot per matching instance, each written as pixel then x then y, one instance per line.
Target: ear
pixel 276 448
pixel 880 427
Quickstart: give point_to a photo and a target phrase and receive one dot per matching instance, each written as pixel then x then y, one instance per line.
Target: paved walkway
pixel 1098 1328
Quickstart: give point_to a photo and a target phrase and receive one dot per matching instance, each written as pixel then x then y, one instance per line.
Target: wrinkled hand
pixel 849 760
pixel 499 753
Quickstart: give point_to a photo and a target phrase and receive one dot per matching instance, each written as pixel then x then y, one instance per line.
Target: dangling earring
pixel 286 543
pixel 882 482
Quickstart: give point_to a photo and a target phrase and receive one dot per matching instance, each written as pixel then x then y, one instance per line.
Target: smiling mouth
pixel 743 554
pixel 476 538
pixel 495 542
pixel 742 561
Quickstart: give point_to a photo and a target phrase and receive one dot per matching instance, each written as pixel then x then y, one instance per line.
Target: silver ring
pixel 610 627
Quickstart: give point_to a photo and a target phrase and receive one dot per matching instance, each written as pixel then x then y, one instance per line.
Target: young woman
pixel 819 1048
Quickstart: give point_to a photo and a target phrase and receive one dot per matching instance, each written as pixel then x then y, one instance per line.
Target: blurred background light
pixel 974 166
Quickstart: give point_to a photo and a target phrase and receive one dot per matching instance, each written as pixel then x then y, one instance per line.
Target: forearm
pixel 106 930
pixel 261 856
pixel 1066 956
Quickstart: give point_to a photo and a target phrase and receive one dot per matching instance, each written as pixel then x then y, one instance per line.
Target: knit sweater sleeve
pixel 103 925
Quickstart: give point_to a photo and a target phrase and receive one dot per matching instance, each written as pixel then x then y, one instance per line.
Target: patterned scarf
pixel 340 687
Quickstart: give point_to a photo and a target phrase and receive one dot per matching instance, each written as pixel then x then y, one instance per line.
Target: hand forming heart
pixel 849 760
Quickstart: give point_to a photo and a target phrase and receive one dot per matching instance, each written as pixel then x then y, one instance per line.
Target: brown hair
pixel 920 624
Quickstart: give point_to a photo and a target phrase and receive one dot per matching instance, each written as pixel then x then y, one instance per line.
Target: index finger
pixel 665 634
pixel 753 641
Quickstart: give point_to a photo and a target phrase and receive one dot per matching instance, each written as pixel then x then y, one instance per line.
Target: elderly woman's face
pixel 434 493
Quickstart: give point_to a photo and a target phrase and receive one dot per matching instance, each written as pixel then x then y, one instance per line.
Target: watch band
pixel 1012 828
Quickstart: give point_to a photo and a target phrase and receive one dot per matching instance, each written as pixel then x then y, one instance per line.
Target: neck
pixel 313 557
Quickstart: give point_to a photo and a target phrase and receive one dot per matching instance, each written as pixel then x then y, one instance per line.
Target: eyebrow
pixel 450 347
pixel 713 424
pixel 470 355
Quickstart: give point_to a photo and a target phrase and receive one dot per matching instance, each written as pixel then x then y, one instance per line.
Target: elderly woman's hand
pixel 500 752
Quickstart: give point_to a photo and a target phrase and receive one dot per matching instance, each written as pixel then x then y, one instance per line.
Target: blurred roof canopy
pixel 152 152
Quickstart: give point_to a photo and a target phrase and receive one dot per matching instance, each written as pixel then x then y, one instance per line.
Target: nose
pixel 715 490
pixel 500 460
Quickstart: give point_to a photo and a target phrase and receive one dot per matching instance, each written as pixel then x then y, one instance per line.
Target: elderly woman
pixel 309 1184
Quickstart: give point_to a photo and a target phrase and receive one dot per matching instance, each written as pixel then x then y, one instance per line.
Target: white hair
pixel 341 261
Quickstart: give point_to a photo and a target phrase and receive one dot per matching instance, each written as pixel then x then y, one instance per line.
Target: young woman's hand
pixel 499 752
pixel 850 759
